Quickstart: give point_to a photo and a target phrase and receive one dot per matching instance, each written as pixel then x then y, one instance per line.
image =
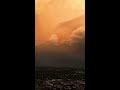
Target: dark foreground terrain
pixel 49 78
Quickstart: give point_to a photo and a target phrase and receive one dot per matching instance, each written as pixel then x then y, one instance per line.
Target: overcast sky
pixel 49 51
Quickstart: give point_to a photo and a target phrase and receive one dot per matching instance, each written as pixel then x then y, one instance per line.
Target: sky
pixel 60 33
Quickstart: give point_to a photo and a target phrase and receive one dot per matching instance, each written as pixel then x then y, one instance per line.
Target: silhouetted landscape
pixel 62 78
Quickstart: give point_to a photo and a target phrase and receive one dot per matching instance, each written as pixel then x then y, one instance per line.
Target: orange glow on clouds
pixel 57 19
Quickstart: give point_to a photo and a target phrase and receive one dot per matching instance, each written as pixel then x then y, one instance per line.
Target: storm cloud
pixel 49 15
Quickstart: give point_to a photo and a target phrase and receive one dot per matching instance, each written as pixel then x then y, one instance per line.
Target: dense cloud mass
pixel 71 52
pixel 49 13
pixel 64 59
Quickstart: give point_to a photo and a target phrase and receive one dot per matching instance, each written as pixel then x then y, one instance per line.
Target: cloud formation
pixel 77 35
pixel 49 14
pixel 53 40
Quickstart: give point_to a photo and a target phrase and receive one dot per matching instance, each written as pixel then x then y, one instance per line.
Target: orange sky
pixel 50 13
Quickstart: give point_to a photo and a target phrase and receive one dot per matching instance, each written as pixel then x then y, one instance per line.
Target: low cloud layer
pixel 64 59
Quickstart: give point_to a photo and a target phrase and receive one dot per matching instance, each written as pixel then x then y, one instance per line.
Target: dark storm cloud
pixel 77 40
pixel 59 59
